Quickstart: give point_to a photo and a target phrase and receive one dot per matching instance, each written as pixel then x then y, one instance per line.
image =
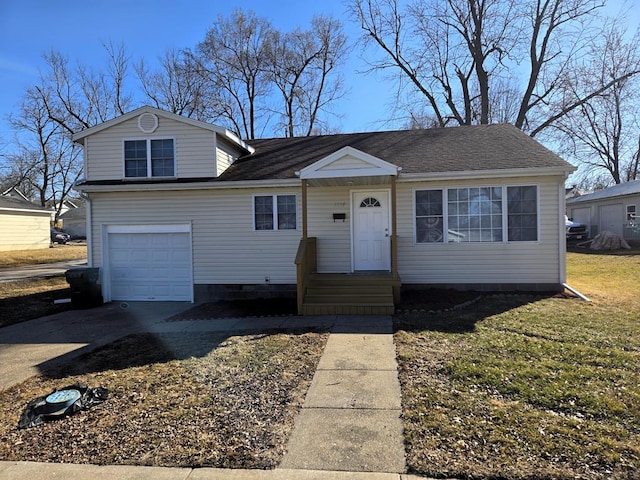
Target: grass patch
pixel 58 253
pixel 175 400
pixel 28 299
pixel 532 386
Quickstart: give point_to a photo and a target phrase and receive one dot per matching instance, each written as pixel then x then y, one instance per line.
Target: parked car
pixel 59 237
pixel 575 230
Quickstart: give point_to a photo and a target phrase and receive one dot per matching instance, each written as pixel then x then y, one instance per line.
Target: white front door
pixel 371 231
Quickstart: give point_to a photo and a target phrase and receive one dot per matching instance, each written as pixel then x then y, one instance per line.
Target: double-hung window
pixel 152 157
pixel 631 213
pixel 274 212
pixel 477 214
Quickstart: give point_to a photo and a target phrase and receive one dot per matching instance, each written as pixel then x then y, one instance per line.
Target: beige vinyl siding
pixel 347 162
pixel 226 249
pixel 225 156
pixel 482 263
pixel 24 230
pixel 334 238
pixel 194 149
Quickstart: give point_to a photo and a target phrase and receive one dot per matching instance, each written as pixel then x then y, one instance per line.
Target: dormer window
pixel 149 158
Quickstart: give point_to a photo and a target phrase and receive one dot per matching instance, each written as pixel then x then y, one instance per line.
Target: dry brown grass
pixel 174 400
pixel 58 253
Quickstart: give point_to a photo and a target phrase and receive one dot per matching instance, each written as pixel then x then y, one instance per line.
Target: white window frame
pixel 274 200
pixel 149 159
pixel 505 214
pixel 628 213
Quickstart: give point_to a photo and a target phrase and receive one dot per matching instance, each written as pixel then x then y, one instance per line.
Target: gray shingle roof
pixel 455 149
pixel 627 188
pixel 18 203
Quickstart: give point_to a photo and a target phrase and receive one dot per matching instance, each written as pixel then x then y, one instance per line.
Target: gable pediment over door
pixel 348 162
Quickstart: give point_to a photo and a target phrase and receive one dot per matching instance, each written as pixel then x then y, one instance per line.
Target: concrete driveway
pixel 29 347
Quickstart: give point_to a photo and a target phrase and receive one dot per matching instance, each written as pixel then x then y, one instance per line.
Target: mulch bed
pixel 428 300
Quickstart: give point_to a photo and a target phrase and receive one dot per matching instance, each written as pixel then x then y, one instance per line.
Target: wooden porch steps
pixel 349 294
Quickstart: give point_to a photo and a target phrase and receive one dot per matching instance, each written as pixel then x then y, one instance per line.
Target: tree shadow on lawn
pixel 441 310
pixel 141 349
pixel 461 311
pixel 27 307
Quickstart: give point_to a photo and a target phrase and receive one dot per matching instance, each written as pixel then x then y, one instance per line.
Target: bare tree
pixel 458 55
pixel 45 162
pixel 234 58
pixel 177 85
pixel 300 66
pixel 46 165
pixel 603 134
pixel 81 98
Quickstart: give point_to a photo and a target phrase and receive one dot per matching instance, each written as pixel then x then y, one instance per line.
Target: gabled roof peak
pixel 149 110
pixel 348 162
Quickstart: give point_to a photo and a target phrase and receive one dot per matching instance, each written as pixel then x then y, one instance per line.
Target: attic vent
pixel 148 122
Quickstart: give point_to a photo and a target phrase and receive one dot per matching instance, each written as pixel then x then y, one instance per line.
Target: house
pixel 23 225
pixel 74 219
pixel 183 210
pixel 611 209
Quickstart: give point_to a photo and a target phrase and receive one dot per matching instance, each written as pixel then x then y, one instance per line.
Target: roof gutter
pixel 149 187
pixel 9 209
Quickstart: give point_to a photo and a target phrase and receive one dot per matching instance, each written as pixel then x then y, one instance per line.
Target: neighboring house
pixel 74 221
pixel 612 209
pixel 23 225
pixel 183 210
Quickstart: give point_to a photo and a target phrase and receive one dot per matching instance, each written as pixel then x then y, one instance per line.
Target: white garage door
pixel 150 266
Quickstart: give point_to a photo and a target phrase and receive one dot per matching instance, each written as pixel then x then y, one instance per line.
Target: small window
pixel 631 213
pixel 275 212
pixel 135 158
pixel 522 211
pixel 149 158
pixel 429 216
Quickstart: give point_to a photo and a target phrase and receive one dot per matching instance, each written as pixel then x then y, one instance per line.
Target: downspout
pixel 89 231
pixel 562 232
pixel 563 243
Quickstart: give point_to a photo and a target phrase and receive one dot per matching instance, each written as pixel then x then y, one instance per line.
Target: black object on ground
pixel 60 403
pixel 86 291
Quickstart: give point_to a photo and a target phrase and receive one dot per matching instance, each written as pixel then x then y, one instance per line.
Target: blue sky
pixel 77 29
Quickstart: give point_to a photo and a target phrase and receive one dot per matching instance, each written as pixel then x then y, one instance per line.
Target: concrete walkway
pixel 351 416
pixel 349 427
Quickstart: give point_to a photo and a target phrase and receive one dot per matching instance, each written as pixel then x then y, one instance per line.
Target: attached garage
pixel 148 263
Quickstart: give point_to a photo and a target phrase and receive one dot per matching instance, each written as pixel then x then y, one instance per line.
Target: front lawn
pixel 28 299
pixel 57 253
pixel 525 386
pixel 174 400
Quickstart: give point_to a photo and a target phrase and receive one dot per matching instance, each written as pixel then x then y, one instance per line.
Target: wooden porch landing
pixel 350 294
